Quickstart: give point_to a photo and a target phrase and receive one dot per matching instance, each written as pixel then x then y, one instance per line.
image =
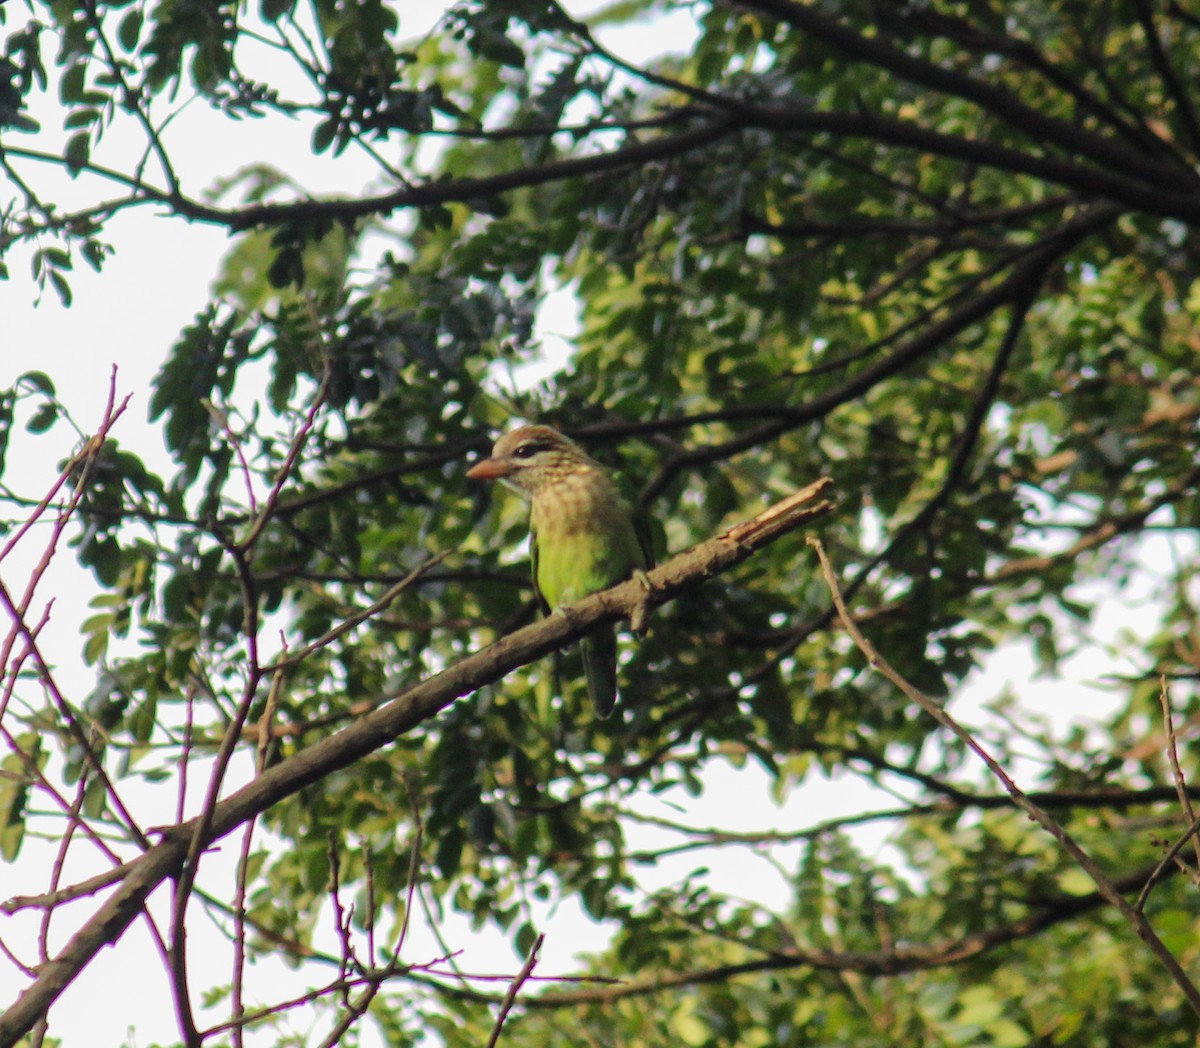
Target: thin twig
pixel 52 899
pixel 221 418
pixel 240 553
pixel 510 998
pixel 414 867
pixel 1164 863
pixel 359 616
pixel 1181 790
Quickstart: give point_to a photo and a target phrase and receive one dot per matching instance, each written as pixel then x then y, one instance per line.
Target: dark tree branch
pixel 351 209
pixel 1166 73
pixel 1160 197
pixel 969 436
pixel 1058 134
pixel 979 41
pixel 1013 288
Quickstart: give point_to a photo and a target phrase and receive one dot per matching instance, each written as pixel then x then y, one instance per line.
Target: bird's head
pixel 531 458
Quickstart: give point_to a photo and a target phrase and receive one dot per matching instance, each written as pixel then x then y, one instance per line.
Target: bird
pixel 584 535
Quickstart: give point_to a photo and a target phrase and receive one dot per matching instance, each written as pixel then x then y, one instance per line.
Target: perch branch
pixel 402 712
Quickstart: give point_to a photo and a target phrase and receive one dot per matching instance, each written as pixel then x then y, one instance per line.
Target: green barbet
pixel 582 533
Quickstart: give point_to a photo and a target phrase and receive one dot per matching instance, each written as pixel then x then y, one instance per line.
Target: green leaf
pixel 71 86
pixel 129 29
pixel 324 134
pixel 39 380
pixel 60 285
pixel 78 152
pixel 81 118
pixel 43 418
pixel 526 935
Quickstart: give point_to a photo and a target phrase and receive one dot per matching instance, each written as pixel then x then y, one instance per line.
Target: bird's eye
pixel 524 451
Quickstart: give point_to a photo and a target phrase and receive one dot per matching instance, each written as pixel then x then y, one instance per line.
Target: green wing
pixel 533 556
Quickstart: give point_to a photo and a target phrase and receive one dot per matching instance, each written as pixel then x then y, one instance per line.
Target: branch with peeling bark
pixel 401 713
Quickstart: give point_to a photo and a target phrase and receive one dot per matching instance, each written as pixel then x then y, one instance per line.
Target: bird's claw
pixel 568 617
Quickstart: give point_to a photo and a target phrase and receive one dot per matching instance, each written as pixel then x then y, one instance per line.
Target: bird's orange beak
pixel 489 469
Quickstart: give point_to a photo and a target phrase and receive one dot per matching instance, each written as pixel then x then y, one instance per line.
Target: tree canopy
pixel 937 252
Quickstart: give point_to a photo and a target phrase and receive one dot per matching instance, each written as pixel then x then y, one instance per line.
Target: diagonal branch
pixel 1166 73
pixel 402 713
pixel 990 97
pixel 510 998
pixel 1013 288
pixel 1157 197
pixel 982 42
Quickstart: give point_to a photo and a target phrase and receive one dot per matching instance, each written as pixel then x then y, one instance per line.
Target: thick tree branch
pixel 403 712
pixel 1159 197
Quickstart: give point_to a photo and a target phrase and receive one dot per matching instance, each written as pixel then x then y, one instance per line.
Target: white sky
pixel 129 315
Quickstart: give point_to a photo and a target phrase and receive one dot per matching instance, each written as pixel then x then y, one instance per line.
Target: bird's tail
pixel 599 651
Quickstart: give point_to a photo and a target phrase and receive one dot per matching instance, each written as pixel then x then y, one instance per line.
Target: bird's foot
pixel 571 620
